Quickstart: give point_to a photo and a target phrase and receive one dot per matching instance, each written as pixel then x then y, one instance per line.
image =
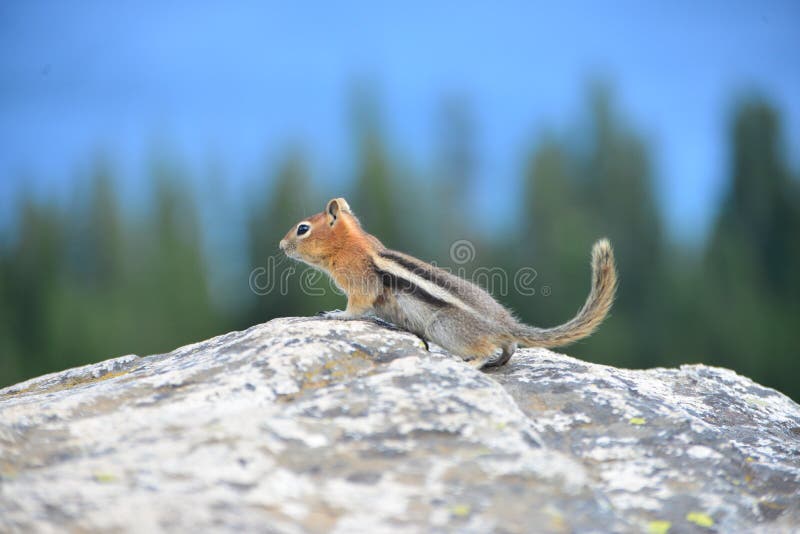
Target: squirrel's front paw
pixel 332 314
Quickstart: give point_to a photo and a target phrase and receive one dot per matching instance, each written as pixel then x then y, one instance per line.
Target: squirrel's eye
pixel 302 229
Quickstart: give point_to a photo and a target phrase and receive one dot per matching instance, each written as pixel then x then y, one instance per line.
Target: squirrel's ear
pixel 335 207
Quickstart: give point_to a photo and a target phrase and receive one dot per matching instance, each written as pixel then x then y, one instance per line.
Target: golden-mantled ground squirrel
pixel 428 301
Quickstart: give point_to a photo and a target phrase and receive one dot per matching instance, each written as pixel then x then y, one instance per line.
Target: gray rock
pixel 309 425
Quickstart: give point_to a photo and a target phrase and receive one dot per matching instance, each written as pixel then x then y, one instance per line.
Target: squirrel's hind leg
pixel 508 351
pixel 465 335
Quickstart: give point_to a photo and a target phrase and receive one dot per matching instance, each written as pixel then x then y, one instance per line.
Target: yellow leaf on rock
pixel 104 477
pixel 658 527
pixel 461 510
pixel 700 519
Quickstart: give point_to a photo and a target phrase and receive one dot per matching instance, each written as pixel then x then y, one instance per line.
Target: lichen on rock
pixel 313 425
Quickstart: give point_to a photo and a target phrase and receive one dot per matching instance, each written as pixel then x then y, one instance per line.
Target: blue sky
pixel 233 86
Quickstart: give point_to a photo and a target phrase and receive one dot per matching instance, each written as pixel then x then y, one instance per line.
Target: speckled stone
pixel 313 425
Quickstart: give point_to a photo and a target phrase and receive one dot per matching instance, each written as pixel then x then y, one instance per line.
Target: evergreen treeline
pixel 81 282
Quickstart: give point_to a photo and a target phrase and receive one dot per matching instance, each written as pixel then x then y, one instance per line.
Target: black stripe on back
pixel 417 269
pixel 399 284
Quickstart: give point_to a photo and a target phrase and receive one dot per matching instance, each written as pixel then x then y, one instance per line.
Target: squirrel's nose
pixel 282 244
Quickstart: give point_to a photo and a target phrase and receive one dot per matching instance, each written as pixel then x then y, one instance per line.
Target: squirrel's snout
pixel 282 244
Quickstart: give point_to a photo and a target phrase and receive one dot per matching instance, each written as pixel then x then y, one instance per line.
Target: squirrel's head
pixel 319 237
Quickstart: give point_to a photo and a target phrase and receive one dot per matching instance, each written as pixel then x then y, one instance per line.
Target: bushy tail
pixel 594 310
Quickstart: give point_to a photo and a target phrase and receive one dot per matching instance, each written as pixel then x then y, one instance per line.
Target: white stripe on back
pixel 440 293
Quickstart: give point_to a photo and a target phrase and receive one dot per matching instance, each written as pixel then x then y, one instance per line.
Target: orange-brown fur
pixel 344 254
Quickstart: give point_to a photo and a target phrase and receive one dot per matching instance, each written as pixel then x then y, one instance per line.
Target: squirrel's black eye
pixel 302 229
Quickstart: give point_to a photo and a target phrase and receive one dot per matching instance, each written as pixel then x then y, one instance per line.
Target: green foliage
pixel 751 265
pixel 80 281
pixel 79 286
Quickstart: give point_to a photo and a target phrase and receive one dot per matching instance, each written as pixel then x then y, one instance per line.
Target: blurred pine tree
pixel 376 189
pixel 752 290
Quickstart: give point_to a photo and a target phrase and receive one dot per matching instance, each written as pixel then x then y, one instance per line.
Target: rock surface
pixel 309 425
